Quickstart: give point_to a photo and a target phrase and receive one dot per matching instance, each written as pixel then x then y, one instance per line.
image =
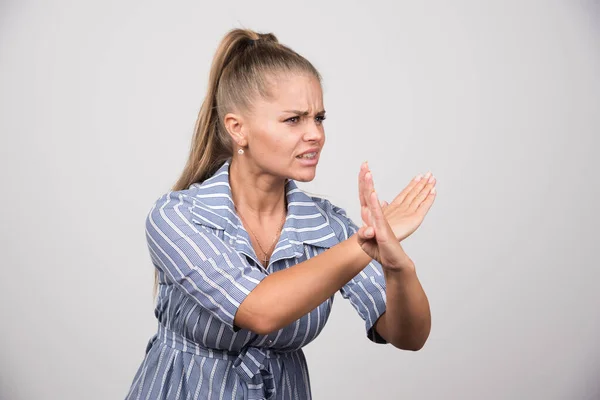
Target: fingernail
pixel 427 175
pixel 431 179
pixel 433 191
pixel 418 178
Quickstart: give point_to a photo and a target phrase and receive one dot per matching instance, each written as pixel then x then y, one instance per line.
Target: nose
pixel 314 133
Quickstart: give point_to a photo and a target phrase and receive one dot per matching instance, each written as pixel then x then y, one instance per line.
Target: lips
pixel 309 154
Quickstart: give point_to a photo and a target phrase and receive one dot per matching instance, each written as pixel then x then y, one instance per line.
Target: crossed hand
pixel 386 225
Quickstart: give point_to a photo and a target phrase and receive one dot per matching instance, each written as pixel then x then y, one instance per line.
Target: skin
pixel 407 320
pixel 271 138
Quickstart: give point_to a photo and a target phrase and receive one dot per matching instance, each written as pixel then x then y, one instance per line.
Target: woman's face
pixel 285 134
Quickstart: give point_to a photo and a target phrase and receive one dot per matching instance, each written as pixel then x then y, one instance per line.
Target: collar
pixel 306 222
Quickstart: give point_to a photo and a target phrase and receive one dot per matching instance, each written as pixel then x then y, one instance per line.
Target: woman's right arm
pixel 223 283
pixel 285 296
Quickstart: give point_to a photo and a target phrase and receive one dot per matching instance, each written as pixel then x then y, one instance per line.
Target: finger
pixel 427 203
pixel 379 222
pixel 364 168
pixel 365 232
pixel 384 204
pixel 402 195
pixel 422 195
pixel 367 190
pixel 364 214
pixel 364 209
pixel 410 196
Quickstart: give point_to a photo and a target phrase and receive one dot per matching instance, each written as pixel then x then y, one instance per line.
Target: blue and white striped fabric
pixel 207 267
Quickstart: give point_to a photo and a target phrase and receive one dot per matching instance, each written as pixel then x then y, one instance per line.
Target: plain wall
pixel 500 99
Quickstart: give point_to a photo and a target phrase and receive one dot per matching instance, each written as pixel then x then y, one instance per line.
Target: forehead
pixel 294 91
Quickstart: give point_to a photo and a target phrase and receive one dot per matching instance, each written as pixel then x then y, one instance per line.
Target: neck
pixel 256 193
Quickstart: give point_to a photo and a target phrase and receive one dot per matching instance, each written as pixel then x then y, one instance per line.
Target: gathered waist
pixel 249 363
pixel 177 341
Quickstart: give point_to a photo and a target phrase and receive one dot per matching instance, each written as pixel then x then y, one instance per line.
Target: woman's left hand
pixel 376 237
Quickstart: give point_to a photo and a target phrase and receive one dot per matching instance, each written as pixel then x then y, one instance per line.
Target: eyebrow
pixel 303 113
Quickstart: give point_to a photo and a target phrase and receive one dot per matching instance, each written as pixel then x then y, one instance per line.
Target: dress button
pixel 270 342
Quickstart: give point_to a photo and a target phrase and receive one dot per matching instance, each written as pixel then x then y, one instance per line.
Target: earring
pixel 241 151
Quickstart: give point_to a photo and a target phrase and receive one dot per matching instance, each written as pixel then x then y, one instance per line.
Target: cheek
pixel 271 135
pixel 276 141
pixel 271 145
pixel 279 141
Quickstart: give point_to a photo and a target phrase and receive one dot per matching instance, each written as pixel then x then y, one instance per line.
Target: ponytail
pixel 240 71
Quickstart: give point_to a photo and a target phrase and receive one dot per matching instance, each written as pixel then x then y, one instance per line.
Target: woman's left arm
pixel 406 323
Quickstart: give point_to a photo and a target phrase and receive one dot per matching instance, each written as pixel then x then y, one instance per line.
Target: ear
pixel 234 123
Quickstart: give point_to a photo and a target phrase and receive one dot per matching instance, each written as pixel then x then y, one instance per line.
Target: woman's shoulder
pixel 186 203
pixel 173 198
pixel 184 211
pixel 197 204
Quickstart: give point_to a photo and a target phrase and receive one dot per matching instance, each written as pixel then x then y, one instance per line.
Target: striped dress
pixel 206 267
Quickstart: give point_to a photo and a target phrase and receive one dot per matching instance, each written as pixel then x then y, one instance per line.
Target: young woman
pixel 247 264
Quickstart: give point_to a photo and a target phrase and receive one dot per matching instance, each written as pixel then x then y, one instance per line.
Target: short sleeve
pixel 196 260
pixel 366 291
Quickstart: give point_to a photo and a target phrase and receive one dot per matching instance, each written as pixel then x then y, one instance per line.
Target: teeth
pixel 308 155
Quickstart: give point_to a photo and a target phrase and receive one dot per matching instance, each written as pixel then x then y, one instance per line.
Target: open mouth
pixel 307 156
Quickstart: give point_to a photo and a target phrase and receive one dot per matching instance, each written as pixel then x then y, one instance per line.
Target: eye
pixel 320 118
pixel 295 119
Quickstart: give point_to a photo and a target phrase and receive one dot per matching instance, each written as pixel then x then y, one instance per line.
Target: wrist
pixel 359 253
pixel 404 264
pixel 399 276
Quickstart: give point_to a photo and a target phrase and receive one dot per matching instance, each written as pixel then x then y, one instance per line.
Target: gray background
pixel 500 99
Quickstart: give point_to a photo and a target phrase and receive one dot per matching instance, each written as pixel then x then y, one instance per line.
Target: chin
pixel 304 176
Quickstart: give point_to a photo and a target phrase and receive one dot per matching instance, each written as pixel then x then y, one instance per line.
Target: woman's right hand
pixel 407 211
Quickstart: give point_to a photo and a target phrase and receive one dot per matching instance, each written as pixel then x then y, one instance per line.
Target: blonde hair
pixel 241 70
